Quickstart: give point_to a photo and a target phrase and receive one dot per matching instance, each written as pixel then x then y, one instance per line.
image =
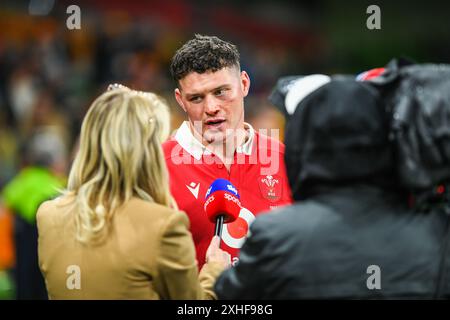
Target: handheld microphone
pixel 222 204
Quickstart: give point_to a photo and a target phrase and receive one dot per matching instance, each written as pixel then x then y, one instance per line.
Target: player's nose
pixel 212 106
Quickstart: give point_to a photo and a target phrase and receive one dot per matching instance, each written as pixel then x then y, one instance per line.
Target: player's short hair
pixel 202 54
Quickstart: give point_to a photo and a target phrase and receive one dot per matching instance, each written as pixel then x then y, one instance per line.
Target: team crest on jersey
pixel 271 187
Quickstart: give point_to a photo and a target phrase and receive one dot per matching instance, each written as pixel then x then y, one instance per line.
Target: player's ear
pixel 245 82
pixel 178 98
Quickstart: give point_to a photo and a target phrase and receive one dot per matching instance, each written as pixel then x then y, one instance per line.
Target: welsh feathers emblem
pixel 271 187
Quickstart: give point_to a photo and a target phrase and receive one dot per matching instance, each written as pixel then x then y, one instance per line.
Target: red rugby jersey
pixel 257 172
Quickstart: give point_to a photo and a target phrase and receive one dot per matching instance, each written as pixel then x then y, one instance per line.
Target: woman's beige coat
pixel 149 254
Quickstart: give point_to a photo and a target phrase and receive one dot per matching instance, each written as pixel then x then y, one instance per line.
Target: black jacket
pixel 324 247
pixel 352 224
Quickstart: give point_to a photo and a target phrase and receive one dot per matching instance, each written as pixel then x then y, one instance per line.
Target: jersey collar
pixel 195 148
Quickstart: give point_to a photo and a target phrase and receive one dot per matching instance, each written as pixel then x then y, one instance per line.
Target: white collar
pixel 195 148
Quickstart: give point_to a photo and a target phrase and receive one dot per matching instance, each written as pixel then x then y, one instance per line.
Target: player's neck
pixel 226 149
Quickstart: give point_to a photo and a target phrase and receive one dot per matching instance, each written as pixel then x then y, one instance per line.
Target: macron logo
pixel 194 188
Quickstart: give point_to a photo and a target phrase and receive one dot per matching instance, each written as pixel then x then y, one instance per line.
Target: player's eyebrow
pixel 192 95
pixel 201 93
pixel 224 86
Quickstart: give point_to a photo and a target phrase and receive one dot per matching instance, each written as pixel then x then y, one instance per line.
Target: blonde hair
pixel 119 157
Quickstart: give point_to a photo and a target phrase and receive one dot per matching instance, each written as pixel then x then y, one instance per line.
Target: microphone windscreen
pixel 222 198
pixel 221 184
pixel 222 203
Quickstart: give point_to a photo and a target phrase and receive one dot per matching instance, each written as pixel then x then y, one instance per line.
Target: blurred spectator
pixel 7 257
pixel 8 150
pixel 37 182
pixel 264 116
pixel 45 115
pixel 7 254
pixel 22 92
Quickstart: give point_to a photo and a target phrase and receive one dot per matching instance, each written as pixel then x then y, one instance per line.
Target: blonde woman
pixel 116 233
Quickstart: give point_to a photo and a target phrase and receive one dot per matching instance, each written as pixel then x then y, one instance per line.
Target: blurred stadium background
pixel 49 75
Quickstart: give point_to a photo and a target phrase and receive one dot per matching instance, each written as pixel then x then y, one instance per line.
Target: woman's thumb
pixel 215 242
